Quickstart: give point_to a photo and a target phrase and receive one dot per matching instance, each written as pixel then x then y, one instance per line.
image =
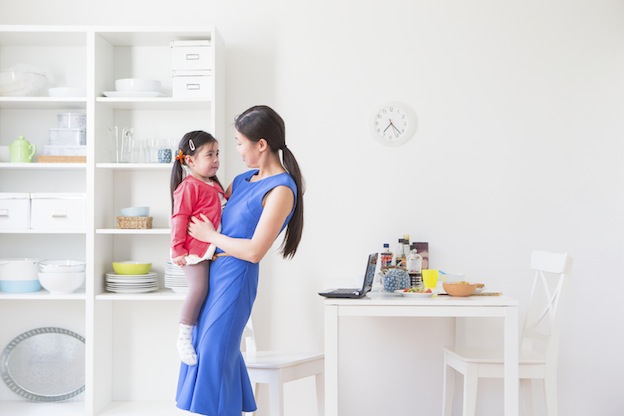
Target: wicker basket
pixel 61 159
pixel 134 222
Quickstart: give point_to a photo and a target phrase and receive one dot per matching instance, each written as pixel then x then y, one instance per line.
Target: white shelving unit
pixel 131 362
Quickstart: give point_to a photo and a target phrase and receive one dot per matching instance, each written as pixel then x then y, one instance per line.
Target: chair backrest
pixel 543 319
pixel 249 338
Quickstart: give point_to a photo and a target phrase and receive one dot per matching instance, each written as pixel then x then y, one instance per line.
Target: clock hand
pixel 394 127
pixel 384 130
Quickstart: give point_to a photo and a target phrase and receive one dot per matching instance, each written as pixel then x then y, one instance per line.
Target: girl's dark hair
pixel 198 139
pixel 262 122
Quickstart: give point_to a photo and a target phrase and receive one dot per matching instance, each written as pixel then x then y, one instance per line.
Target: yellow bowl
pixel 461 289
pixel 131 267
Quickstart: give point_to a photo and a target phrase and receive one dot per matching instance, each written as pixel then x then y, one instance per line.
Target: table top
pixel 395 299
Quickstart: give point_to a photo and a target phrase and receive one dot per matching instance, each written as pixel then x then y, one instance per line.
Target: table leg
pixel 331 360
pixel 511 362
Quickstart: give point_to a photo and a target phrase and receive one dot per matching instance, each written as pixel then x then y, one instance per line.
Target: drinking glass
pixel 430 278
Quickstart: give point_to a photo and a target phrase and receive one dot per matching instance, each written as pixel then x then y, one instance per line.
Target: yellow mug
pixel 430 278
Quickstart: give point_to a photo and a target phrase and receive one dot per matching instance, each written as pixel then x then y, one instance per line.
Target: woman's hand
pixel 201 228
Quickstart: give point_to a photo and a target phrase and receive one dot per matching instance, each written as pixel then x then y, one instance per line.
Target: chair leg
pixel 276 399
pixel 550 390
pixel 471 382
pixel 320 393
pixel 526 395
pixel 448 391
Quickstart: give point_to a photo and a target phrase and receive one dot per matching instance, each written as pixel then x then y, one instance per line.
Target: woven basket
pixel 134 222
pixel 61 159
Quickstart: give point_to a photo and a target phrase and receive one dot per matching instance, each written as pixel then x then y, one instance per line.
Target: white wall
pixel 519 147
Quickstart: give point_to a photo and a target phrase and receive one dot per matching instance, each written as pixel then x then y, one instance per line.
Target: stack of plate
pixel 174 278
pixel 131 283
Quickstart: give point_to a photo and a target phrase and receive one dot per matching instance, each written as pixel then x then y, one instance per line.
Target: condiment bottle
pixel 414 267
pixel 386 256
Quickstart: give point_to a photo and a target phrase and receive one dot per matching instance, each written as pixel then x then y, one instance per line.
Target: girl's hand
pixel 179 261
pixel 201 228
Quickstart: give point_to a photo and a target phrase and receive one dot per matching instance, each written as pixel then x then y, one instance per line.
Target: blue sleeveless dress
pixel 219 384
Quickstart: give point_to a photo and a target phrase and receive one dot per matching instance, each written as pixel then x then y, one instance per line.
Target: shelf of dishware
pixel 44 295
pixel 42 103
pixel 157 295
pixel 43 166
pixel 156 103
pixel 133 231
pixel 134 166
pixel 28 231
pixel 14 407
pixel 121 378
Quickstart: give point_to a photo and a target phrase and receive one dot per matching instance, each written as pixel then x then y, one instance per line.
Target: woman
pixel 262 202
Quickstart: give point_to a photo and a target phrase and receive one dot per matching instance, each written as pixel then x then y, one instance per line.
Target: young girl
pixel 200 192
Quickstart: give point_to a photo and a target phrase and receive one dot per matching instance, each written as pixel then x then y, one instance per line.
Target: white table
pixel 391 305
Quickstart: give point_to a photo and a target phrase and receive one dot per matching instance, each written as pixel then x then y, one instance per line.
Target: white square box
pixel 58 211
pixel 191 55
pixel 67 137
pixel 14 211
pixel 192 84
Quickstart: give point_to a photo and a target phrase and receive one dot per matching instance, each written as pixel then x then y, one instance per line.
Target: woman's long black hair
pixel 198 138
pixel 262 122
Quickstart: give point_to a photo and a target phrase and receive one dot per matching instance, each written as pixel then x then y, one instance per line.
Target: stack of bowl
pixel 60 277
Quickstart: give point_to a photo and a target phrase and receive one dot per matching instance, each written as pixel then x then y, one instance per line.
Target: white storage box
pixel 71 121
pixel 191 55
pixel 64 150
pixel 58 211
pixel 67 137
pixel 192 84
pixel 14 211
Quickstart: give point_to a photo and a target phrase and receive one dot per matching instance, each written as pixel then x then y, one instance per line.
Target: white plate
pixel 132 94
pixel 413 294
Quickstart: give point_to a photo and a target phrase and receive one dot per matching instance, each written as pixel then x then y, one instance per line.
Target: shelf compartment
pixel 43 103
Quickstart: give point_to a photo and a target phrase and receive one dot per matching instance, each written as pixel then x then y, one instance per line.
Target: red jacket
pixel 191 198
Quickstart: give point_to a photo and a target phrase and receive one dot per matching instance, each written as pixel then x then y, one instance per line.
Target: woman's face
pixel 247 149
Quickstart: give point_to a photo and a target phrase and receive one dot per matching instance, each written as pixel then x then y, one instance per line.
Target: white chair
pixel 538 347
pixel 276 368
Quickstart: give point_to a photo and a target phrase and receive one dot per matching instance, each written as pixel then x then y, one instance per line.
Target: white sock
pixel 185 346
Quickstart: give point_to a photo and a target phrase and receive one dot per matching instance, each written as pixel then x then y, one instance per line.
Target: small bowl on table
pixel 460 289
pixel 131 267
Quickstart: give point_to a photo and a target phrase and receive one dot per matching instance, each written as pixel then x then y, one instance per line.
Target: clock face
pixel 393 124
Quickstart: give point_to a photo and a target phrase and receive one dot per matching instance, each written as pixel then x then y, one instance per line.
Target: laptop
pixel 367 282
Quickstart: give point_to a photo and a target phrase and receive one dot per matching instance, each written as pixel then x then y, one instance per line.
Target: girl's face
pixel 249 150
pixel 205 162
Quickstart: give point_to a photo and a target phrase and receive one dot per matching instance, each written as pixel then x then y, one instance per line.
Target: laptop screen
pixel 369 274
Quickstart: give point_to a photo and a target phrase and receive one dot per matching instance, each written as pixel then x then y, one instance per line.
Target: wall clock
pixel 393 123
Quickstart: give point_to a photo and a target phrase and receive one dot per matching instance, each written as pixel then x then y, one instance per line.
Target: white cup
pixel 5 156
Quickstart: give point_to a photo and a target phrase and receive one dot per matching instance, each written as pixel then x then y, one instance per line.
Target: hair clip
pixel 191 145
pixel 180 156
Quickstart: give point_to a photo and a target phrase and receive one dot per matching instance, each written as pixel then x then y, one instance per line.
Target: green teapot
pixel 22 151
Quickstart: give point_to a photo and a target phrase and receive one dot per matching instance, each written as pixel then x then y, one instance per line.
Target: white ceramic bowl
pixel 137 85
pixel 67 92
pixel 22 84
pixel 63 282
pixel 135 212
pixel 61 266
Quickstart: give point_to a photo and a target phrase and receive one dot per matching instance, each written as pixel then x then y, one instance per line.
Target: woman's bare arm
pixel 277 205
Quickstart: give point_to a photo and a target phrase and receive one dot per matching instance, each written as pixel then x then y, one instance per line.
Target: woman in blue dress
pixel 262 203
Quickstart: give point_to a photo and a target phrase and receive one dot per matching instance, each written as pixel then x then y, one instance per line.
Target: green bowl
pixel 131 267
